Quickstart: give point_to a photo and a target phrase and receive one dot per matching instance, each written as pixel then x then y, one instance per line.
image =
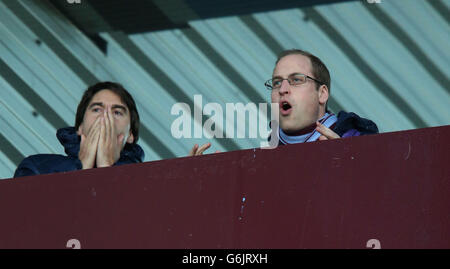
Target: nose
pixel 285 87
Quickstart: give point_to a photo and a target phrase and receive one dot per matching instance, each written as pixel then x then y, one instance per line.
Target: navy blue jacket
pixel 349 124
pixel 54 163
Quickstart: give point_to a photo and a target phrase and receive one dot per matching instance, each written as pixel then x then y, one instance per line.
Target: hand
pixel 109 144
pixel 326 133
pixel 88 145
pixel 195 151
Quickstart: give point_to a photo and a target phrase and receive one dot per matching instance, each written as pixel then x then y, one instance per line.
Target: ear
pixel 130 138
pixel 323 94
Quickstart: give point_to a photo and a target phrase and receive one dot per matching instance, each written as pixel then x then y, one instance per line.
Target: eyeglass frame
pixel 269 86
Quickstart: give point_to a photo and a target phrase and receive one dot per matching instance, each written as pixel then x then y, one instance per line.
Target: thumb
pixel 193 150
pixel 120 139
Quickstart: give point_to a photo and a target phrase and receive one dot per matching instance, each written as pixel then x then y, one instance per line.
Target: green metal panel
pixel 389 62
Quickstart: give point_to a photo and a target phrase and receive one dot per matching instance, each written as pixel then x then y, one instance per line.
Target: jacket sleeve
pixel 130 154
pixel 26 168
pixel 126 160
pixel 350 133
pixel 46 164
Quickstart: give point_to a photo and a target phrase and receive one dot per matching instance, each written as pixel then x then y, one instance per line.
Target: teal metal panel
pixel 376 70
pixel 7 167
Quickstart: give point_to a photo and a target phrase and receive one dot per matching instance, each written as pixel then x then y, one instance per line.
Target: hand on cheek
pixel 110 146
pixel 89 144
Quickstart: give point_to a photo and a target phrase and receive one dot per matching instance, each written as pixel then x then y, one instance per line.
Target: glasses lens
pixel 268 84
pixel 276 83
pixel 297 79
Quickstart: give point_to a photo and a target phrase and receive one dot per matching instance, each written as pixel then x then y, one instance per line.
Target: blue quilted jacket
pixel 54 163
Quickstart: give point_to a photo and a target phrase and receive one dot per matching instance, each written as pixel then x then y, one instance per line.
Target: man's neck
pixel 307 134
pixel 307 129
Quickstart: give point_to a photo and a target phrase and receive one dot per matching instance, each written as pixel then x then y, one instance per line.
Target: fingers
pixel 120 140
pixel 88 146
pixel 92 139
pixel 102 130
pixel 111 122
pixel 111 134
pixel 193 150
pixel 97 145
pixel 110 144
pixel 111 119
pixel 95 125
pixel 107 123
pixel 196 150
pixel 326 132
pixel 201 149
pixel 101 143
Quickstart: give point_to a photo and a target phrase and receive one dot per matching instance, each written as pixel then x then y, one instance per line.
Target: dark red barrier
pixel 393 188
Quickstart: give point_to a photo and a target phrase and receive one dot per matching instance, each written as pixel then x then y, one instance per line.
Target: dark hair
pixel 125 97
pixel 319 69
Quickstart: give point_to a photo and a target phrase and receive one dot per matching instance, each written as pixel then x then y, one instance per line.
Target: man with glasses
pixel 300 84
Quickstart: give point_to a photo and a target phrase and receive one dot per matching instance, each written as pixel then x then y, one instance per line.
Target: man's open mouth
pixel 285 108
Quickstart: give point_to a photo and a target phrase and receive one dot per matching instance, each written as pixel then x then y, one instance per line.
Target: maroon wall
pixel 392 187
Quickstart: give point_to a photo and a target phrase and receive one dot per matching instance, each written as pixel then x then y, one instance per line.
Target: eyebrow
pixel 95 104
pixel 113 107
pixel 292 74
pixel 120 107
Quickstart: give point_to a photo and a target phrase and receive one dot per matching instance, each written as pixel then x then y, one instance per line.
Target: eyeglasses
pixel 293 80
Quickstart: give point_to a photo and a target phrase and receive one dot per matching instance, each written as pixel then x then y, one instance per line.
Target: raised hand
pixel 110 144
pixel 196 150
pixel 88 145
pixel 326 133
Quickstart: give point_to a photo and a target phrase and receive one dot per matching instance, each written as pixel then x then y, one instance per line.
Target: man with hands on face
pixel 105 134
pixel 102 145
pixel 300 85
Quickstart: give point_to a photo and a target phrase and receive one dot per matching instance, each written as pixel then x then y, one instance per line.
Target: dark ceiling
pixel 136 16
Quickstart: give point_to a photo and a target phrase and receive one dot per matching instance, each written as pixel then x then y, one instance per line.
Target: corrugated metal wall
pixel 389 62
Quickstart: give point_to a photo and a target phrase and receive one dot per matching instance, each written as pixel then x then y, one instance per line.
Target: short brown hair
pixel 125 97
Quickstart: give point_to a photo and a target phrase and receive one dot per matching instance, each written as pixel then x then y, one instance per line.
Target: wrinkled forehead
pixel 290 64
pixel 107 97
